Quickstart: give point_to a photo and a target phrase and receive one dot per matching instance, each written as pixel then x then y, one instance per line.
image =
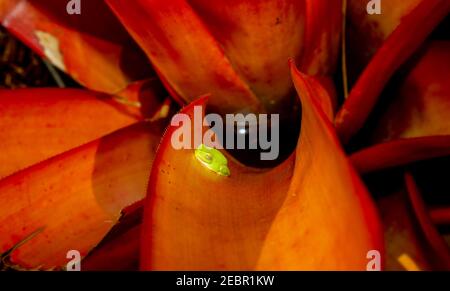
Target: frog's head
pixel 212 159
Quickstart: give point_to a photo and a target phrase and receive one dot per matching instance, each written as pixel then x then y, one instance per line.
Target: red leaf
pixel 400 152
pixel 437 244
pixel 421 106
pixel 367 32
pixel 416 125
pixel 399 46
pixel 322 37
pixel 185 53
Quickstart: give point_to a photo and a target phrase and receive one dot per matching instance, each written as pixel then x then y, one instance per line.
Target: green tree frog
pixel 213 159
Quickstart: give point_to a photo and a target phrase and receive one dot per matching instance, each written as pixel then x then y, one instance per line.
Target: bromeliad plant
pixel 77 166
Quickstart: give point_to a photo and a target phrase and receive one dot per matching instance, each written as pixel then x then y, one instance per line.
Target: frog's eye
pixel 212 159
pixel 207 158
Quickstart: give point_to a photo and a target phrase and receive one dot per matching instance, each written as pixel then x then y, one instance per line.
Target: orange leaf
pixel 185 53
pixel 36 124
pixel 258 37
pixel 92 47
pixel 313 86
pixel 76 197
pixel 310 212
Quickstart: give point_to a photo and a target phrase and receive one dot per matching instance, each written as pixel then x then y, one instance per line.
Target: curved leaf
pixel 74 198
pixel 311 212
pixel 258 37
pixel 421 106
pixel 37 124
pixel 322 37
pixel 307 85
pixel 400 152
pixel 398 47
pixel 437 244
pixel 92 47
pixel 367 32
pixel 185 53
pixel 416 125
